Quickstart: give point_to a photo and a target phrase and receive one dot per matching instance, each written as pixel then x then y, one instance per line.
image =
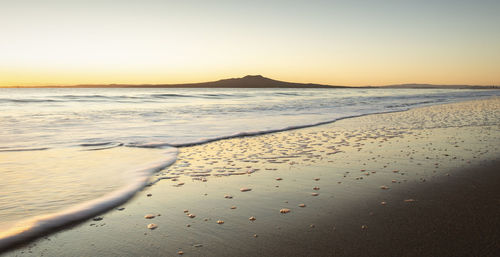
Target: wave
pixel 11 100
pixel 169 95
pixel 33 228
pixel 247 133
pixel 100 146
pixel 199 95
pixel 24 149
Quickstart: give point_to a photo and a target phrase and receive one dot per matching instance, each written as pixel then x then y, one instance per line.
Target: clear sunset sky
pixel 330 42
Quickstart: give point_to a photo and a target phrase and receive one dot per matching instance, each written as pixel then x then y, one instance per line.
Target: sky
pixel 351 43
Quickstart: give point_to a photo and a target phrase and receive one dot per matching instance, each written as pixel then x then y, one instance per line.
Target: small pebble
pixel 316 179
pixel 409 200
pixel 285 210
pixel 244 189
pixel 302 205
pixel 233 207
pixel 364 227
pixel 180 252
pixel 384 187
pixel 191 215
pixel 149 195
pixel 220 222
pixel 315 188
pixel 252 218
pixel 279 179
pixel 149 216
pixel 314 194
pixel 152 226
pixel 228 197
pixel 383 203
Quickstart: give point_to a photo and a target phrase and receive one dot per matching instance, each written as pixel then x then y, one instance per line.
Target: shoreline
pixel 277 164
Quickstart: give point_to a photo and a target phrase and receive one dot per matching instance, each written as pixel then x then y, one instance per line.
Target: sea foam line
pixel 254 133
pixel 35 227
pixel 264 132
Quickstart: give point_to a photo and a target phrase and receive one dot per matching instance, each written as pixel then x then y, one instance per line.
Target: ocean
pixel 68 154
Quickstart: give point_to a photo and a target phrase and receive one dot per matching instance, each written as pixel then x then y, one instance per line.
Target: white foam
pixel 259 132
pixel 35 227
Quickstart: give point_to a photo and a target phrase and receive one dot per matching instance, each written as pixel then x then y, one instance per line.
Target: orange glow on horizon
pixel 170 42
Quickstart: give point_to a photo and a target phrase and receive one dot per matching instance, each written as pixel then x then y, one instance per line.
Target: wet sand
pixel 417 183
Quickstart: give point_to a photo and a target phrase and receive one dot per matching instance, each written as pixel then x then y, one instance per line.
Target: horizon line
pixel 186 84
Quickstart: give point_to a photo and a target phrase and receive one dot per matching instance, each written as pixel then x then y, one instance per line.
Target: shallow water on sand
pixel 49 181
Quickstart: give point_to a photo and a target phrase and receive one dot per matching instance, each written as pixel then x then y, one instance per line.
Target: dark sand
pixel 443 199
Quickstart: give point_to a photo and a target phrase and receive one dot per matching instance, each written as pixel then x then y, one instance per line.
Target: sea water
pixel 70 153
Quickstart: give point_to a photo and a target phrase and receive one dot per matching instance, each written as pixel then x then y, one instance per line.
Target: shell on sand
pixel 314 194
pixel 220 222
pixel 149 216
pixel 244 189
pixel 180 252
pixel 315 188
pixel 302 205
pixel 191 215
pixel 186 211
pixel 284 210
pixel 233 207
pixel 384 187
pixel 279 179
pixel 252 218
pixel 152 226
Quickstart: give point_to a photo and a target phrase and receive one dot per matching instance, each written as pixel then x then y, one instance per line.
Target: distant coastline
pixel 254 81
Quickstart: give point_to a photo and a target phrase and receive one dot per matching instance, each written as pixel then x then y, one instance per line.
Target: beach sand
pixel 424 182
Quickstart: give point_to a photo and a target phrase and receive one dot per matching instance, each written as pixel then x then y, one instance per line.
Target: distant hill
pixel 440 86
pixel 249 81
pixel 258 81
